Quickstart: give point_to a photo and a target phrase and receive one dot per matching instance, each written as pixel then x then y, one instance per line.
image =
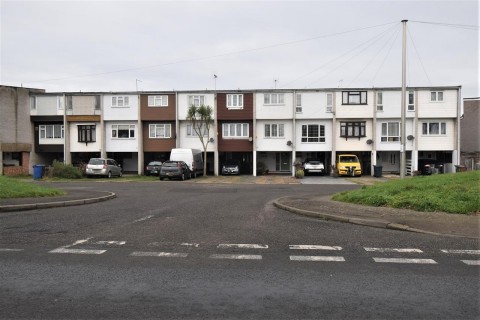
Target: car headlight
pixel 342 167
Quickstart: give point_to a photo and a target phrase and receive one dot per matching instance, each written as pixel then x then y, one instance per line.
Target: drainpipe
pixel 294 130
pixel 139 138
pixel 254 137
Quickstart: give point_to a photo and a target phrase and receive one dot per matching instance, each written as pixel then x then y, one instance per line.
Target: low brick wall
pixel 15 171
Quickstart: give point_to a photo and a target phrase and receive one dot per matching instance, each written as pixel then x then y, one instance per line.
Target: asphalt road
pixel 177 250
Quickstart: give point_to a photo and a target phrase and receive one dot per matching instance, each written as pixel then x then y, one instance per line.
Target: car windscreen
pixel 348 159
pixel 169 164
pixel 155 163
pixel 314 162
pixel 96 161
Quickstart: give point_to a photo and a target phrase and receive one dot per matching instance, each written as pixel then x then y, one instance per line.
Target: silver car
pixel 103 167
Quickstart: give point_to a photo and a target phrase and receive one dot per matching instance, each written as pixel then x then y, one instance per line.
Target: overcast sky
pixel 179 45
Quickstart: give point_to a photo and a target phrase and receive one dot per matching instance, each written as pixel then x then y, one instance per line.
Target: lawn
pixel 452 193
pixel 18 188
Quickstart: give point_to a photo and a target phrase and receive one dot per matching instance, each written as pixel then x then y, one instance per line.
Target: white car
pixel 103 167
pixel 313 166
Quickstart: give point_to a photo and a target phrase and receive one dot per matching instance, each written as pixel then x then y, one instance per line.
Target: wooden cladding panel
pixel 158 113
pixel 223 113
pixel 158 145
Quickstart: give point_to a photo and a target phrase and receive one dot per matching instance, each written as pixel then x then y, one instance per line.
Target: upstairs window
pixel 436 96
pixel 33 103
pixel 352 129
pixel 196 100
pixel 298 103
pixel 120 101
pixel 192 133
pixel 354 97
pixel 273 99
pixel 69 102
pixel 97 103
pixel 274 130
pixel 158 101
pixel 160 131
pixel 434 128
pixel 329 97
pixel 123 131
pixel 411 101
pixel 235 130
pixel 313 133
pixel 53 131
pixel 379 101
pixel 86 133
pixel 235 101
pixel 390 131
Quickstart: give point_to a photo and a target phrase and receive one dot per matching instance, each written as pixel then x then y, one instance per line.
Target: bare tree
pixel 201 119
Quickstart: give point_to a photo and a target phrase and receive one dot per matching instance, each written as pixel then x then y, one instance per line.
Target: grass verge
pixel 17 188
pixel 452 193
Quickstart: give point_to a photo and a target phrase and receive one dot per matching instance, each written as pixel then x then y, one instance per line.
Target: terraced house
pixel 274 127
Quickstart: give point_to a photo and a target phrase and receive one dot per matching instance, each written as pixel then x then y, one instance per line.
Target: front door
pixel 283 161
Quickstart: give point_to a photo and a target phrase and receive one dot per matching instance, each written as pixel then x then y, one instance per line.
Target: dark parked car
pixel 153 168
pixel 231 167
pixel 175 170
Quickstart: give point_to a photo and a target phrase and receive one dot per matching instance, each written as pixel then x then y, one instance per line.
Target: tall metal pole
pixel 403 152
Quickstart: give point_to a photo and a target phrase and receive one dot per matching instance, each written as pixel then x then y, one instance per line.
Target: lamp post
pixel 403 157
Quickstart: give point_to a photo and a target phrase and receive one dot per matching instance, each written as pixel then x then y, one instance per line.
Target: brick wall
pixel 18 170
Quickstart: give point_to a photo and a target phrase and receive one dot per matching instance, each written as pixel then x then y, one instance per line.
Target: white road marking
pixel 313 247
pixel 402 260
pixel 10 250
pixel 406 250
pixel 317 258
pixel 159 254
pixel 241 246
pixel 237 256
pixel 143 219
pixel 195 245
pixel 462 251
pixel 119 243
pixel 77 251
pixel 77 243
pixel 472 262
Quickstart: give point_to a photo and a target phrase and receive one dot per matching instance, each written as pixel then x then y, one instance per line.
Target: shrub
pixel 66 171
pixel 299 174
pixel 261 168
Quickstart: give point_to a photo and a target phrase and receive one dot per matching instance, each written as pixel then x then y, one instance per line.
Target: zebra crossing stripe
pixel 317 258
pixel 77 251
pixel 313 247
pixel 10 250
pixel 241 246
pixel 237 256
pixel 471 262
pixel 462 251
pixel 159 254
pixel 406 250
pixel 402 260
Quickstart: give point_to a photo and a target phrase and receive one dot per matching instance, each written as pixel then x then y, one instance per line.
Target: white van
pixel 192 157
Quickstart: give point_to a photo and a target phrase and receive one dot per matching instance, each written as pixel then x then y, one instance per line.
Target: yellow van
pixel 348 165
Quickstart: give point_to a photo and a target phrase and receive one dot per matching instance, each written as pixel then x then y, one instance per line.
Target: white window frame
pixel 435 96
pixel 386 135
pixel 154 127
pixel 158 101
pixel 329 101
pixel 350 97
pixel 230 130
pixel 298 103
pixel 59 103
pixel 379 101
pixel 313 139
pixel 234 101
pixel 411 102
pixel 273 99
pixel 120 102
pixel 44 128
pixel 196 100
pixel 192 133
pixel 274 130
pixel 428 126
pixel 131 127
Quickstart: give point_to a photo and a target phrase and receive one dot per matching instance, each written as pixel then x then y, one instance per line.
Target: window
pixel 120 101
pixel 123 131
pixel 329 102
pixel 192 133
pixel 273 99
pixel 298 103
pixel 390 131
pixel 436 96
pixel 235 101
pixel 352 129
pixel 55 131
pixel 313 133
pixel 354 97
pixel 411 101
pixel 59 103
pixel 274 130
pixel 379 101
pixel 158 101
pixel 235 130
pixel 434 128
pixel 196 101
pixel 33 103
pixel 160 131
pixel 86 133
pixel 97 102
pixel 69 102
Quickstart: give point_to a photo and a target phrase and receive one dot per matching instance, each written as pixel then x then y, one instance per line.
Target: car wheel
pixel 120 174
pixel 183 176
pixel 161 178
pixel 109 174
